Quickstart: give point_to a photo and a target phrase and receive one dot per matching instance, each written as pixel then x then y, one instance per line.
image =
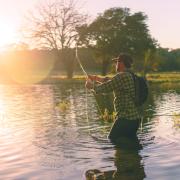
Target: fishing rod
pixel 79 61
pixel 85 73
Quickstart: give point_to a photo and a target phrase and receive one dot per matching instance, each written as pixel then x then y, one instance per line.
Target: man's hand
pixel 92 77
pixel 89 84
pixel 98 79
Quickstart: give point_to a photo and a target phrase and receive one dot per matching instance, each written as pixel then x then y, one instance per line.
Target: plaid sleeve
pixel 110 85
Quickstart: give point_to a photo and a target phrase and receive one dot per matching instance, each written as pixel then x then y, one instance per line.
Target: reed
pixel 176 120
pixel 63 106
pixel 108 116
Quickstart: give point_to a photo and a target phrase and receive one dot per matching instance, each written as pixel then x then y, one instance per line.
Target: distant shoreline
pixel 55 79
pixel 152 77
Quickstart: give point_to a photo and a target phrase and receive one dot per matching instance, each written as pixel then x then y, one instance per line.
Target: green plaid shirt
pixel 122 85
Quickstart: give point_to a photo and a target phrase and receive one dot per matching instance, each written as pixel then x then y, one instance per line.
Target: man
pixel 122 84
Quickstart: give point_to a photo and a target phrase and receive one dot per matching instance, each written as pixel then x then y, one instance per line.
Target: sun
pixel 7 34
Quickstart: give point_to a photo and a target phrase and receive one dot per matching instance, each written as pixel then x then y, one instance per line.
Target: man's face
pixel 119 66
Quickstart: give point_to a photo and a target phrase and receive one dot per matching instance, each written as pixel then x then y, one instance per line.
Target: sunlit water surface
pixel 39 140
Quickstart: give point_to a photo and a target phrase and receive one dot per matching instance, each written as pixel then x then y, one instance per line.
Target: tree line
pixel 58 27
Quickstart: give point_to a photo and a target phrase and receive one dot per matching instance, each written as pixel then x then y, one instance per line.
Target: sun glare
pixel 7 34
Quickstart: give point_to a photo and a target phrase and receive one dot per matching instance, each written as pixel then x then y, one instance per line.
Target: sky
pixel 163 17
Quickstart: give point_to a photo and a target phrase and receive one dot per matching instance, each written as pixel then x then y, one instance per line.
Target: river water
pixel 40 140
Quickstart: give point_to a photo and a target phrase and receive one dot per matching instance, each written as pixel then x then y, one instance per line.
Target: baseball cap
pixel 125 58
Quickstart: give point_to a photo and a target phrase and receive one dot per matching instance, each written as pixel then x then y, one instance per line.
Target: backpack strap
pixel 135 87
pixel 133 76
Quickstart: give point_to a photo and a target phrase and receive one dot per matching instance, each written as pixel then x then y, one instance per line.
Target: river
pixel 40 140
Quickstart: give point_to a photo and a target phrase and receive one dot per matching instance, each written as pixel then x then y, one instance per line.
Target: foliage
pixel 115 31
pixel 170 77
pixel 63 106
pixel 52 25
pixel 150 61
pixel 107 116
pixel 57 25
pixel 176 120
pixel 169 60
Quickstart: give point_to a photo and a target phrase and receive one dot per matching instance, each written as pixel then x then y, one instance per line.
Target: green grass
pixel 152 77
pixel 164 77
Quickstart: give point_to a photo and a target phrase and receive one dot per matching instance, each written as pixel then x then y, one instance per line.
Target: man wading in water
pixel 122 84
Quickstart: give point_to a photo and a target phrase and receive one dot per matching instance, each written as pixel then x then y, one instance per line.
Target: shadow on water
pixel 127 160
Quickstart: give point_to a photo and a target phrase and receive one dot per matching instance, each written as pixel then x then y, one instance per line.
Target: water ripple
pixel 40 141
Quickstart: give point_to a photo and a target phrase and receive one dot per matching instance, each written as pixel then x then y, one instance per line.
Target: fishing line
pixel 170 115
pixel 85 73
pixel 77 57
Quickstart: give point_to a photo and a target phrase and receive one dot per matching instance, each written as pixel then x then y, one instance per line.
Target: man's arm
pixel 98 79
pixel 107 86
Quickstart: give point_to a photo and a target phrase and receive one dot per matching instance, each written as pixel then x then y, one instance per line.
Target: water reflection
pixel 40 141
pixel 127 160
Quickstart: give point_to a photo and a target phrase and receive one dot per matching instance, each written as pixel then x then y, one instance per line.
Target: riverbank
pixel 151 77
pixel 172 77
pixel 164 77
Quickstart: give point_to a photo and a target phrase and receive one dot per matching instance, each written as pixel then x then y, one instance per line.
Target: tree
pixel 176 59
pixel 115 31
pixel 53 26
pixel 151 61
pixel 169 60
